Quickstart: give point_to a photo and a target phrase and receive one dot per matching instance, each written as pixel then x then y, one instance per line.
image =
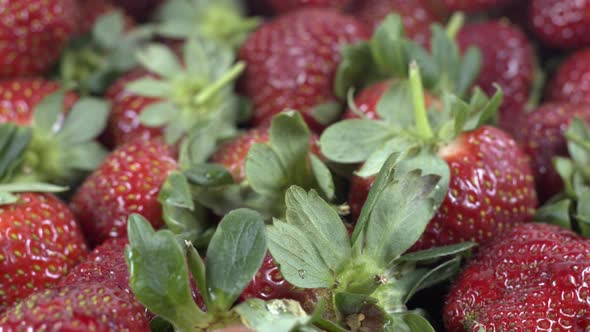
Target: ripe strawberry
pixel 491 189
pixel 298 54
pixel 282 6
pixel 560 23
pixel 417 15
pixel 571 81
pixel 268 283
pixel 39 242
pixel 508 60
pixel 533 278
pixel 79 307
pixel 19 97
pixel 128 181
pixel 476 5
pixel 541 136
pixel 33 33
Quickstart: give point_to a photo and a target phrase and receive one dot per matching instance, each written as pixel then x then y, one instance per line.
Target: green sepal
pixel 443 272
pixel 223 21
pixel 396 105
pixel 312 227
pixel 9 192
pixel 108 29
pixel 235 254
pixel 158 114
pixel 411 322
pixel 275 316
pixel 208 175
pixel 86 121
pixel 388 47
pixel 556 212
pixel 159 274
pixel 323 177
pixel 160 60
pixel 48 112
pixel 327 113
pixel 13 142
pixel 356 63
pixel 198 271
pixel 150 87
pixel 351 303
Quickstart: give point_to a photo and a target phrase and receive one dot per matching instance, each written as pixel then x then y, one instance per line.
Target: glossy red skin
pixel 127 182
pixel 33 34
pixel 18 98
pixel 124 125
pixel 417 15
pixel 542 137
pixel 283 6
pixel 508 60
pixel 476 5
pixel 39 242
pixel 268 283
pixel 292 61
pixel 571 82
pixel 491 190
pixel 80 307
pixel 532 278
pixel 561 23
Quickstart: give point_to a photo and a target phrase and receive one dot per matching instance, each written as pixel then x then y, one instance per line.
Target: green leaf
pixel 159 275
pixel 208 175
pixel 7 198
pixel 160 60
pixel 353 141
pixel 198 271
pixel 439 252
pixel 47 112
pixel 108 29
pixel 470 68
pixel 175 129
pixel 356 63
pixel 565 168
pixel 85 121
pixel 178 29
pixel 396 105
pixel 323 177
pixel 234 256
pixel 327 113
pixel 176 192
pixel 446 54
pixel 289 138
pixel 150 87
pixel 379 156
pixel 439 274
pixel 387 47
pixel 578 142
pixel 13 142
pixel 401 213
pixel 351 303
pixel 85 157
pixel 274 315
pixel 429 70
pixel 583 213
pixel 196 57
pixel 158 114
pixel 31 187
pixel 557 213
pixel 314 228
pixel 264 170
pixel 417 323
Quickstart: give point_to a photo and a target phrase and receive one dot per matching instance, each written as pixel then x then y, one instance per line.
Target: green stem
pixel 455 24
pixel 229 77
pixel 417 88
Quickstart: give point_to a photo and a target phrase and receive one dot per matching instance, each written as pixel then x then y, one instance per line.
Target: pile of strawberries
pixel 295 165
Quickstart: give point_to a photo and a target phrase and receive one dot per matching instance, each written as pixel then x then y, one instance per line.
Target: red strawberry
pixel 19 97
pixel 476 5
pixel 542 137
pixel 128 181
pixel 417 15
pixel 571 82
pixel 268 284
pixel 79 307
pixel 533 278
pixel 491 189
pixel 292 61
pixel 33 33
pixel 508 60
pixel 39 242
pixel 561 23
pixel 282 6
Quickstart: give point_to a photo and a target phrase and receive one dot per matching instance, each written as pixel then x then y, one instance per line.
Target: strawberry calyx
pixel 223 21
pixel 62 146
pixel 570 209
pixel 367 275
pixel 270 168
pixel 160 266
pixel 93 61
pixel 195 94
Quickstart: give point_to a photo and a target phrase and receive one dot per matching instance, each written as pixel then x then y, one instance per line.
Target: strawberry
pixel 417 15
pixel 491 185
pixel 542 137
pixel 560 23
pixel 476 5
pixel 33 33
pixel 282 6
pixel 40 241
pixel 268 283
pixel 571 80
pixel 127 181
pixel 532 278
pixel 508 64
pixel 298 53
pixel 170 95
pixel 79 307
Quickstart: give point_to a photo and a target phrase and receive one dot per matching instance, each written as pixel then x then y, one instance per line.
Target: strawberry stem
pixel 212 89
pixel 455 24
pixel 422 124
